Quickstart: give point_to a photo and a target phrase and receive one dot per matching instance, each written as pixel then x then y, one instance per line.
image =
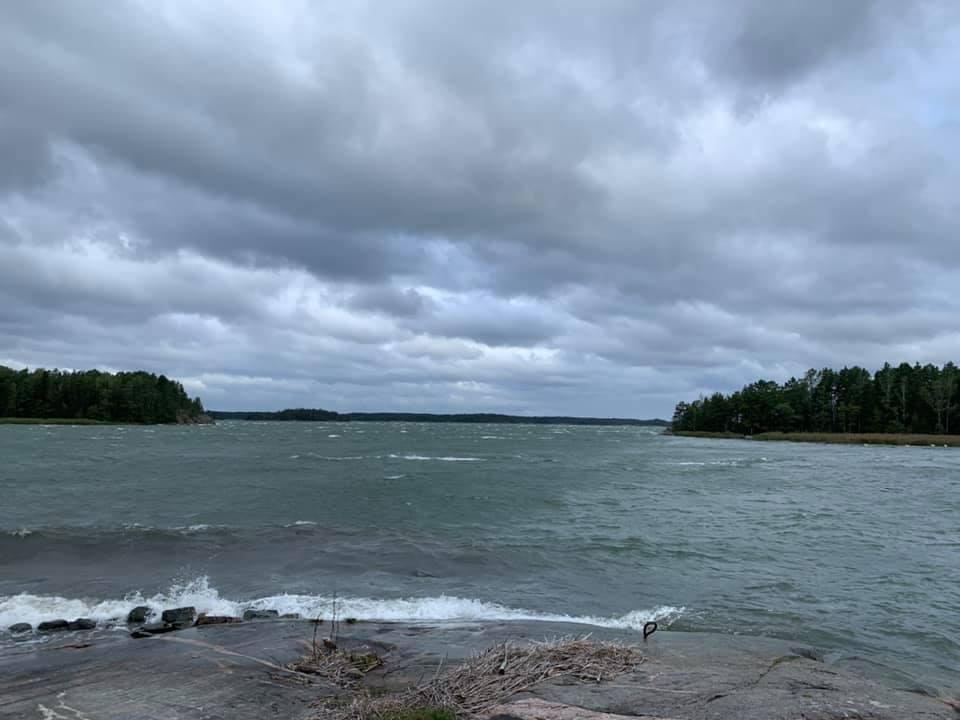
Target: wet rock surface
pixel 179 616
pixel 82 624
pixel 260 614
pixel 138 614
pixel 204 619
pixel 53 626
pixel 18 628
pixel 239 670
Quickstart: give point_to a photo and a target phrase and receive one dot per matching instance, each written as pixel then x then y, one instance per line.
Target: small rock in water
pixel 179 616
pixel 259 614
pixel 53 626
pixel 20 628
pixel 290 616
pixel 82 624
pixel 205 619
pixel 351 621
pixel 153 629
pixel 138 614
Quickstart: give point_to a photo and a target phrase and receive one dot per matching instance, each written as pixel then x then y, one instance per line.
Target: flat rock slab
pixel 208 673
pixel 237 672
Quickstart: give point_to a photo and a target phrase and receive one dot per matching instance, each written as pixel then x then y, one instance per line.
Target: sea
pixel 852 551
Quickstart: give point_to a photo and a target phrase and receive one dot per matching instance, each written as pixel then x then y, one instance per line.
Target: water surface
pixel 853 549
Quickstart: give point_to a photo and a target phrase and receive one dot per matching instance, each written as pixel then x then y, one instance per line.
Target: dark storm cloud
pixel 541 208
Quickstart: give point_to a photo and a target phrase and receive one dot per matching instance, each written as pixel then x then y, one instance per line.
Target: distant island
pixel 92 396
pixel 315 415
pixel 894 404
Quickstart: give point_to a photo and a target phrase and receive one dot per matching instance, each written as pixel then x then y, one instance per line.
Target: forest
pixel 124 397
pixel 307 414
pixel 902 399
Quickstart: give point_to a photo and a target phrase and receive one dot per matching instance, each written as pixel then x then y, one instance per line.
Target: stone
pixel 138 614
pixel 205 619
pixel 290 616
pixel 17 628
pixel 351 621
pixel 82 624
pixel 53 626
pixel 259 614
pixel 156 628
pixel 179 616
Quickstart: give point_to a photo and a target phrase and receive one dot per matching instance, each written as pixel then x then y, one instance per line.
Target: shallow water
pixel 853 549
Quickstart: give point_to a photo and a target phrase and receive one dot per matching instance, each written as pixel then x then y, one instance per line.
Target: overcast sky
pixel 589 208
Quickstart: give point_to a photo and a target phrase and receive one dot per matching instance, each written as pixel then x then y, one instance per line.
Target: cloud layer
pixel 596 208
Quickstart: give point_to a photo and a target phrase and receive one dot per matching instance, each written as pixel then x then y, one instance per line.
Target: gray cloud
pixel 596 208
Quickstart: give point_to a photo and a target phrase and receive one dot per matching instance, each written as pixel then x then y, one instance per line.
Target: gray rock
pixel 156 628
pixel 53 626
pixel 290 616
pixel 82 624
pixel 138 614
pixel 20 628
pixel 182 616
pixel 259 614
pixel 205 619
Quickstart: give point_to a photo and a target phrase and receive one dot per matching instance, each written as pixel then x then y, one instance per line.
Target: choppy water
pixel 853 549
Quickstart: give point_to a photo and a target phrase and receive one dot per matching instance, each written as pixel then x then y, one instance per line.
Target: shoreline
pixel 896 439
pixel 242 670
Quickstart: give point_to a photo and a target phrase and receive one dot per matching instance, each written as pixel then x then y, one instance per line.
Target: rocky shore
pixel 189 666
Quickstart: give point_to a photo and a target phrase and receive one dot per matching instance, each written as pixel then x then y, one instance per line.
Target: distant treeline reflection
pixel 902 399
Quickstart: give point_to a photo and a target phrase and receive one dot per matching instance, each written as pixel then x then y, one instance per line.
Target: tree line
pixel 902 399
pixel 127 397
pixel 312 415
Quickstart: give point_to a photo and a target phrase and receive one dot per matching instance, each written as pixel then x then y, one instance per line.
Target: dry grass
pixel 487 680
pixel 338 666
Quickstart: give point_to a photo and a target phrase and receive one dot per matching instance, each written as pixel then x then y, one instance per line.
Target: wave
pixel 444 458
pixel 199 593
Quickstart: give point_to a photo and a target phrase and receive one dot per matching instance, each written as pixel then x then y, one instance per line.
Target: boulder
pixel 82 624
pixel 259 614
pixel 182 616
pixel 290 616
pixel 138 614
pixel 205 619
pixel 20 628
pixel 53 626
pixel 153 629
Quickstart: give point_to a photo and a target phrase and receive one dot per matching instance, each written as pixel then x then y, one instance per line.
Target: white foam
pixel 22 532
pixel 445 458
pixel 34 609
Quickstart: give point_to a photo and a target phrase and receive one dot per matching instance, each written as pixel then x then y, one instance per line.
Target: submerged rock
pixel 182 616
pixel 205 619
pixel 53 626
pixel 259 614
pixel 17 628
pixel 82 624
pixel 290 616
pixel 156 628
pixel 138 614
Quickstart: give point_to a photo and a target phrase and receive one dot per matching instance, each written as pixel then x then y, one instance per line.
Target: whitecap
pixel 199 593
pixel 445 458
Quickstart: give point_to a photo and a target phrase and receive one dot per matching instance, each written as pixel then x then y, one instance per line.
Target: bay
pixel 854 550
